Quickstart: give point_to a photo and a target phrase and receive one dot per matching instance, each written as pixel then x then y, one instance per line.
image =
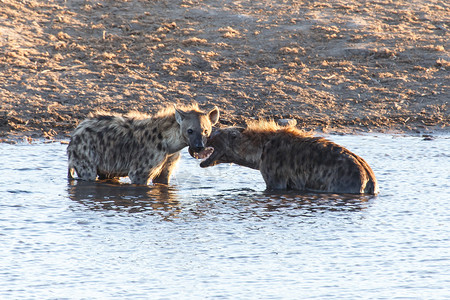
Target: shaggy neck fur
pixel 171 133
pixel 255 136
pixel 166 126
pixel 250 149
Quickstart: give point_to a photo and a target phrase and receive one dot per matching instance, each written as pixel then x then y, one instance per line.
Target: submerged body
pixel 290 159
pixel 136 145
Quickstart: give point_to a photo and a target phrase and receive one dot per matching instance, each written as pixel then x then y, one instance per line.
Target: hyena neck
pixel 250 150
pixel 171 133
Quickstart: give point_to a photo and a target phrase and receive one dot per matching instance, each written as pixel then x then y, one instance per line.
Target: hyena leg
pixel 139 175
pixel 84 171
pixel 71 173
pixel 271 175
pixel 167 168
pixel 274 182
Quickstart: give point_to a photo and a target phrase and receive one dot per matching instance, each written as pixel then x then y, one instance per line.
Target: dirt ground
pixel 334 66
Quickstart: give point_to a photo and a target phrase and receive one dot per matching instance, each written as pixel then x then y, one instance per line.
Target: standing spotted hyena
pixel 291 159
pixel 139 146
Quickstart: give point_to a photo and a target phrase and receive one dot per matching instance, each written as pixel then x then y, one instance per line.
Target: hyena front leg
pixel 85 169
pixel 167 168
pixel 274 182
pixel 139 175
pixel 271 171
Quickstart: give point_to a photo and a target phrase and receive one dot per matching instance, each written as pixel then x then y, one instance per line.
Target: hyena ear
pixel 179 116
pixel 214 115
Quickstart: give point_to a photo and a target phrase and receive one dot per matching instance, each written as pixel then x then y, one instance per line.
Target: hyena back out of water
pixel 136 145
pixel 291 159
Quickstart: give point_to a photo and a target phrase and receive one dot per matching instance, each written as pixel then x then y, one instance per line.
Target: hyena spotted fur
pixel 290 159
pixel 136 145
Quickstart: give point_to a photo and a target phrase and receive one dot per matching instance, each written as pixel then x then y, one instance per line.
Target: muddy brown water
pixel 216 233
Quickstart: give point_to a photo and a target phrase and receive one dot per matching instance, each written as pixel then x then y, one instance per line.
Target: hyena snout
pixel 197 143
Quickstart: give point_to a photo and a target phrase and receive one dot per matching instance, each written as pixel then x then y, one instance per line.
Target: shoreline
pixel 341 66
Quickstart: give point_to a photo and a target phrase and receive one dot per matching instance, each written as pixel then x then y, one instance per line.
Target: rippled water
pixel 215 233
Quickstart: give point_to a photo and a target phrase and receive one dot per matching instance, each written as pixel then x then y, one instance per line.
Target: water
pixel 215 233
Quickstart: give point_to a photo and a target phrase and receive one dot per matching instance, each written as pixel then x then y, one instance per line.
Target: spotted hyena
pixel 291 159
pixel 136 145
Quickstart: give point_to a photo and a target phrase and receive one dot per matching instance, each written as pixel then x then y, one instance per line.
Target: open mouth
pixel 204 154
pixel 209 156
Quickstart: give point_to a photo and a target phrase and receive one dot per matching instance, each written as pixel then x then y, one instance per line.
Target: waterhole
pixel 216 232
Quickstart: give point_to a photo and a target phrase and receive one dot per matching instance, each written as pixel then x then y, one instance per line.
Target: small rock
pixel 287 122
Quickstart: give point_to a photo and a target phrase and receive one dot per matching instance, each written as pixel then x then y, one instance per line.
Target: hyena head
pixel 226 146
pixel 196 127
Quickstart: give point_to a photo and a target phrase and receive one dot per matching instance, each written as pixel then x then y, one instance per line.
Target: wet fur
pixel 290 159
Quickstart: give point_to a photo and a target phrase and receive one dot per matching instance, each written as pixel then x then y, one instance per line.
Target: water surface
pixel 216 233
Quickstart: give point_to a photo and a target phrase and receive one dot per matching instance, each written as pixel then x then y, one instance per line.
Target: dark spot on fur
pixel 153 138
pixel 75 155
pixel 152 156
pixel 159 147
pixel 140 127
pixel 276 143
pixel 154 130
pixel 160 136
pixel 99 135
pixel 75 139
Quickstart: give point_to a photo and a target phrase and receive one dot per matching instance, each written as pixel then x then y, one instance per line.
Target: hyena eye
pixel 190 131
pixel 206 132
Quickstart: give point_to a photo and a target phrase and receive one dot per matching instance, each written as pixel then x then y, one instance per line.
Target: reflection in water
pixel 269 203
pixel 322 201
pixel 112 195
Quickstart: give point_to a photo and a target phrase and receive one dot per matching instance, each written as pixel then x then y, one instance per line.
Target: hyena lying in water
pixel 136 145
pixel 291 159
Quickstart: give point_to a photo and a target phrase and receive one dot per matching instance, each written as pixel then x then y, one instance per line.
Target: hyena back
pixel 290 159
pixel 136 145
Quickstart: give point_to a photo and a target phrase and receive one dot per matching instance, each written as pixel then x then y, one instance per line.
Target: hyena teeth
pixel 204 154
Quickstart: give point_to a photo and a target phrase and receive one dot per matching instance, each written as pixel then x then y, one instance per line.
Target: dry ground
pixel 335 65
